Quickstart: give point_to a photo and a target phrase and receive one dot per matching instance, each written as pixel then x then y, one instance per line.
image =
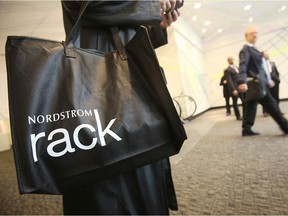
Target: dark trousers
pixel 275 93
pixel 227 105
pixel 270 105
pixel 235 106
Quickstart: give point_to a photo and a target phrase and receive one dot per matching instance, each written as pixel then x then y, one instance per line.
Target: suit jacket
pixel 275 74
pixel 226 92
pixel 251 64
pixel 231 75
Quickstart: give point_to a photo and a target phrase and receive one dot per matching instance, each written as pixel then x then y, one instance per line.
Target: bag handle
pixel 69 44
pixel 118 43
pixel 71 39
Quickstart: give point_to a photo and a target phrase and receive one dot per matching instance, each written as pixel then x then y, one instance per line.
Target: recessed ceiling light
pixel 247 7
pixel 203 30
pixel 207 23
pixel 282 9
pixel 250 19
pixel 220 30
pixel 194 18
pixel 197 5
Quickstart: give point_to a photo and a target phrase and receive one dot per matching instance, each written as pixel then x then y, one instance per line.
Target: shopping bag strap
pixel 118 43
pixel 69 44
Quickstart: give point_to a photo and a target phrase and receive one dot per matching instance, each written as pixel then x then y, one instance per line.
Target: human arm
pixel 244 57
pixel 167 5
pixel 158 34
pixel 271 83
pixel 223 81
pixel 231 85
pixel 275 73
pixel 102 14
pixel 170 12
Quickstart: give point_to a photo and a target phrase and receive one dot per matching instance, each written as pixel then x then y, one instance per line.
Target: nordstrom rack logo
pixel 65 142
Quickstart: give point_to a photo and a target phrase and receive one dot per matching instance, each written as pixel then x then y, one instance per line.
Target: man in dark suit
pixel 274 76
pixel 251 65
pixel 226 94
pixel 231 75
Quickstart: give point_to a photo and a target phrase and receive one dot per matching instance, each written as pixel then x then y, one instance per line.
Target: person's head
pixel 265 55
pixel 251 35
pixel 230 60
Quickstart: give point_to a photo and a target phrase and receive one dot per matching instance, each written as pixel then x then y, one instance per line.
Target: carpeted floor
pixel 11 203
pixel 218 172
pixel 226 174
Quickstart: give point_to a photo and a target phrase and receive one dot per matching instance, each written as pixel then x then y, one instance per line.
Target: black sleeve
pixel 229 79
pixel 222 80
pixel 244 57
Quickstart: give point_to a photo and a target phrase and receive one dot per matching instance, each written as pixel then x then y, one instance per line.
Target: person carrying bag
pixel 82 118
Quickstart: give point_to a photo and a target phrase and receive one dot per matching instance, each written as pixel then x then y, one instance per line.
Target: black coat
pixel 96 35
pixel 226 93
pixel 146 190
pixel 231 75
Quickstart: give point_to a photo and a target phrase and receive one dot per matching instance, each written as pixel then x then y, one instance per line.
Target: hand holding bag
pixel 255 91
pixel 79 116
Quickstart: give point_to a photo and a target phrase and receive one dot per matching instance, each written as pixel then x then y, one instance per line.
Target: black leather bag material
pixel 79 116
pixel 256 90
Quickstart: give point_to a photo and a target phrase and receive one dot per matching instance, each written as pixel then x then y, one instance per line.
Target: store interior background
pixel 195 58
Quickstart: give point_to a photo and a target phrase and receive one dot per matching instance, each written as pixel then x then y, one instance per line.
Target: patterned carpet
pixel 11 203
pixel 218 172
pixel 227 174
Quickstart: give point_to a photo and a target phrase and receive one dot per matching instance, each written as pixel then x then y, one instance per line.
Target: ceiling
pixel 229 15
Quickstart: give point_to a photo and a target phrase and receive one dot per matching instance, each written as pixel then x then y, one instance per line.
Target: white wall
pixel 27 18
pixel 217 50
pixel 215 54
pixel 182 60
pixel 194 66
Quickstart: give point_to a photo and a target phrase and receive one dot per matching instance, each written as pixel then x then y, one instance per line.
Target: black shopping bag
pixel 79 115
pixel 255 91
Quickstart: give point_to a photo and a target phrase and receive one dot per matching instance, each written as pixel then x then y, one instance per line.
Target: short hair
pixel 248 29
